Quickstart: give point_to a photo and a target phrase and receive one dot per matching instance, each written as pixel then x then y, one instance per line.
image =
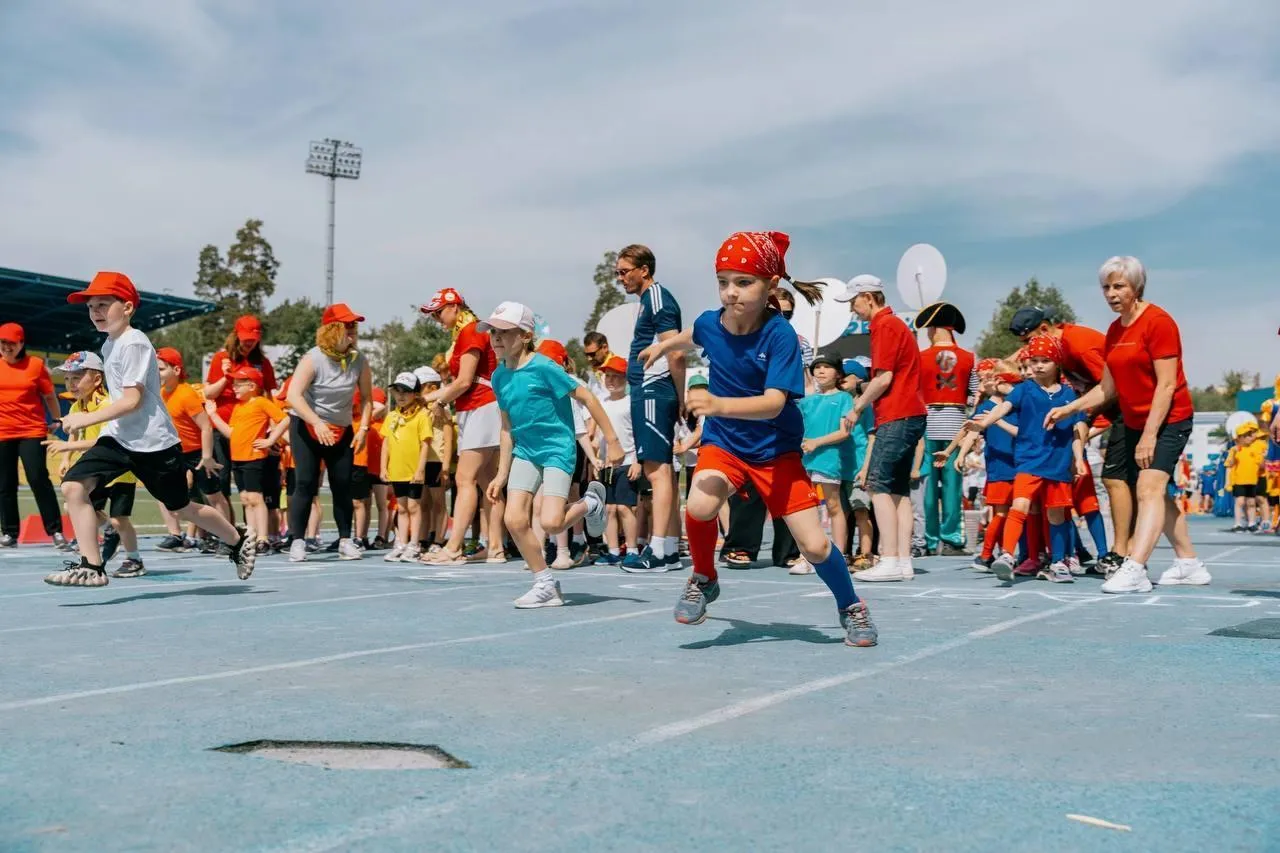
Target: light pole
pixel 334 159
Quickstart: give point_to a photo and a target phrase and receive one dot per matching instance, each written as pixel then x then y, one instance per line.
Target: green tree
pixel 608 294
pixel 1222 398
pixel 997 341
pixel 292 323
pixel 252 265
pixel 395 347
pixel 577 358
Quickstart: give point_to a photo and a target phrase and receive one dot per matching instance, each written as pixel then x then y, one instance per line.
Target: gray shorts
pixel 892 456
pixel 527 477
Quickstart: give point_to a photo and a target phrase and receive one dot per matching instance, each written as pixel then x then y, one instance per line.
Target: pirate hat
pixel 940 315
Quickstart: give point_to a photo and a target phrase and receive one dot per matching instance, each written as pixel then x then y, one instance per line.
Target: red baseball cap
pixel 115 284
pixel 615 364
pixel 248 329
pixel 555 351
pixel 340 312
pixel 171 357
pixel 244 371
pixel 447 296
pixel 12 333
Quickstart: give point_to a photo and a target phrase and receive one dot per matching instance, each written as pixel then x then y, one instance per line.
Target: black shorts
pixel 191 461
pixel 161 472
pixel 434 470
pixel 221 455
pixel 116 499
pixel 251 476
pixel 1274 500
pixel 1249 491
pixel 412 491
pixel 581 469
pixel 1115 463
pixel 1171 440
pixel 618 490
pixel 271 482
pixel 361 483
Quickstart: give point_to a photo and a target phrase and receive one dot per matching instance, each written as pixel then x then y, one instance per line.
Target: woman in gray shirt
pixel 321 394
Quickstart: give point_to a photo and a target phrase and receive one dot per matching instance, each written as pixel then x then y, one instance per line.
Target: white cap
pixel 864 283
pixel 78 361
pixel 408 381
pixel 508 315
pixel 426 374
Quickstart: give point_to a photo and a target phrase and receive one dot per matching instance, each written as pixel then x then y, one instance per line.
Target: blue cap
pixel 859 367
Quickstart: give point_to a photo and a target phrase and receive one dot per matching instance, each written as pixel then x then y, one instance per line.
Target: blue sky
pixel 507 144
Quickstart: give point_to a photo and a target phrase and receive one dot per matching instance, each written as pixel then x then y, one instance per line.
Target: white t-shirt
pixel 128 362
pixel 619 412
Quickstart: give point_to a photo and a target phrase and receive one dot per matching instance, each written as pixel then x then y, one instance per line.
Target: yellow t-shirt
pixel 1248 463
pixel 403 438
pixel 90 433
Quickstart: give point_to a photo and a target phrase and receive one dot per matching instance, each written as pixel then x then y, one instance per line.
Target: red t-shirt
pixel 894 348
pixel 23 386
pixel 481 392
pixel 1082 356
pixel 944 375
pixel 1131 355
pixel 227 399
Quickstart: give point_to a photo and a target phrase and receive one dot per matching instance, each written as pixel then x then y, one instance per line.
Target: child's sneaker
pixel 982 564
pixel 1189 572
pixel 110 544
pixel 411 554
pixel 595 519
pixel 78 574
pixel 394 555
pixel 298 551
pixel 607 559
pixel 1130 577
pixel 347 550
pixel 1028 568
pixel 130 568
pixel 59 541
pixel 1002 567
pixel 801 567
pixel 1056 573
pixel 172 543
pixel 859 630
pixel 246 554
pixel 541 595
pixel 691 609
pixel 1075 566
pixel 7 541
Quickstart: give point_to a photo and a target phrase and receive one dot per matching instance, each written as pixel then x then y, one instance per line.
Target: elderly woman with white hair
pixel 1144 375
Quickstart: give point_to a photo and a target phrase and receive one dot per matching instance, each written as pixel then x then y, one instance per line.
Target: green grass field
pixel 146 512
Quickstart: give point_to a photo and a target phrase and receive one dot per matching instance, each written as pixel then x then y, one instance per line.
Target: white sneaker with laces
pixel 347 550
pixel 1074 567
pixel 541 595
pixel 1185 572
pixel 1130 577
pixel 411 554
pixel 889 569
pixel 802 567
pixel 394 555
pixel 298 551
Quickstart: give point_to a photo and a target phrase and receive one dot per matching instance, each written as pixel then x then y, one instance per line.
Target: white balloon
pixel 823 323
pixel 618 325
pixel 922 275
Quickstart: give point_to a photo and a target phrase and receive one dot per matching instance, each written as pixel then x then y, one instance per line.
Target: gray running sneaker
pixel 595 521
pixel 130 568
pixel 171 543
pixel 691 609
pixel 859 630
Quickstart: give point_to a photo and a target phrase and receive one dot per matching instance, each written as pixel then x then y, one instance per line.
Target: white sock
pixel 592 500
pixel 890 562
pixel 614 552
pixel 672 544
pixel 659 547
pixel 543 576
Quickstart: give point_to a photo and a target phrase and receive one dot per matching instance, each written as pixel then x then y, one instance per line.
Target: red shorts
pixel 783 484
pixel 1084 497
pixel 1050 494
pixel 998 494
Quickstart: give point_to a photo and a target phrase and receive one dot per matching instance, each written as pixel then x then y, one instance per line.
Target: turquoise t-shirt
pixel 822 414
pixel 536 400
pixel 860 436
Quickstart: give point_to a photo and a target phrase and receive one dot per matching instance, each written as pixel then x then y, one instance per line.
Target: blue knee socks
pixel 834 572
pixel 1060 540
pixel 1098 530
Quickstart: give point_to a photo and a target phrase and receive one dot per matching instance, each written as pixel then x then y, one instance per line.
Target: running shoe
pixel 595 519
pixel 59 541
pixel 110 544
pixel 130 568
pixel 7 541
pixel 949 550
pixel 801 567
pixel 1188 572
pixel 1130 577
pixel 298 551
pixel 643 563
pixel 170 543
pixel 347 550
pixel 541 595
pixel 394 555
pixel 1002 567
pixel 1028 568
pixel 1056 573
pixel 859 630
pixel 607 559
pixel 691 609
pixel 982 564
pixel 1074 566
pixel 79 573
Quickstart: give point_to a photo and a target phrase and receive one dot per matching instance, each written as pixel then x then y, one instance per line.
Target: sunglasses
pixel 620 272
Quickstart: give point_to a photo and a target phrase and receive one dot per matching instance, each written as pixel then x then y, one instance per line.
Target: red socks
pixel 1013 525
pixel 994 527
pixel 702 545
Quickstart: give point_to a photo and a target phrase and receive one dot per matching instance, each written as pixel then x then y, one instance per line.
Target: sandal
pixel 443 557
pixel 497 557
pixel 737 559
pixel 77 574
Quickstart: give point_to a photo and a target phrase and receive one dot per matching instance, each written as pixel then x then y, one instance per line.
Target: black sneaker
pixel 379 544
pixel 171 543
pixel 130 568
pixel 110 544
pixel 1108 564
pixel 244 555
pixel 7 541
pixel 209 545
pixel 60 542
pixel 917 552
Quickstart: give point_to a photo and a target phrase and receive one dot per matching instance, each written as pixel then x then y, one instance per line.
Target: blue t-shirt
pixel 1001 466
pixel 822 414
pixel 746 366
pixel 659 313
pixel 536 400
pixel 1044 454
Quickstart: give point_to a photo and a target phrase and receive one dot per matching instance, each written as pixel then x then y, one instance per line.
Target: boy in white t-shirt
pixel 620 482
pixel 138 438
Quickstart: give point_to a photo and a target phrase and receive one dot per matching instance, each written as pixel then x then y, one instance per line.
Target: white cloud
pixel 506 148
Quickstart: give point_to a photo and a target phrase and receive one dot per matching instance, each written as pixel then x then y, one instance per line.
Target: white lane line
pixel 403 818
pixel 343 656
pixel 67 626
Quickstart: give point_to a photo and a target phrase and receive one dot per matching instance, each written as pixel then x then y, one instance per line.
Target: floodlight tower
pixel 334 159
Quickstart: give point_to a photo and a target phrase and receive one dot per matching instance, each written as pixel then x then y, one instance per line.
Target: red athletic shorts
pixel 998 494
pixel 1084 497
pixel 1050 494
pixel 783 483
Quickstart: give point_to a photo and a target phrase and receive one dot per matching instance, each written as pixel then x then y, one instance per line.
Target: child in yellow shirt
pixel 1244 463
pixel 406 447
pixel 440 463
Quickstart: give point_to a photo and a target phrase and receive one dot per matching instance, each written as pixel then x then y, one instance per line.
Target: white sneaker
pixel 1074 567
pixel 1130 577
pixel 887 570
pixel 394 555
pixel 906 568
pixel 1188 572
pixel 298 551
pixel 802 567
pixel 595 519
pixel 542 595
pixel 411 554
pixel 347 550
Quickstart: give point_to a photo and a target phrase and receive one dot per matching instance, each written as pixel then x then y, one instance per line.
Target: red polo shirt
pixel 894 348
pixel 1082 355
pixel 1131 355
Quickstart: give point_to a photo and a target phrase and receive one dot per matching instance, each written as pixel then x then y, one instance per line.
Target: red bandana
pixel 760 253
pixel 987 365
pixel 1044 346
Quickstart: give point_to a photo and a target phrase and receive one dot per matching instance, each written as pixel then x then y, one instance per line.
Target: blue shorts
pixel 893 455
pixel 618 490
pixel 654 412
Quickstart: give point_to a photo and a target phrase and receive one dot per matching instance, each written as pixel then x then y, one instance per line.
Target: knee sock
pixel 1098 530
pixel 994 528
pixel 1013 526
pixel 702 545
pixel 834 572
pixel 1035 537
pixel 1060 539
pixel 1045 531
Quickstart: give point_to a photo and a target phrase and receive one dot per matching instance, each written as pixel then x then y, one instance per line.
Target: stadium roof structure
pixel 39 303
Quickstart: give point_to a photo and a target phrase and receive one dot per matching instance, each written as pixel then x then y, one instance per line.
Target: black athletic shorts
pixel 618 490
pixel 434 470
pixel 1171 440
pixel 361 483
pixel 161 472
pixel 116 500
pixel 412 491
pixel 1115 463
pixel 1249 491
pixel 191 461
pixel 271 481
pixel 1274 500
pixel 251 476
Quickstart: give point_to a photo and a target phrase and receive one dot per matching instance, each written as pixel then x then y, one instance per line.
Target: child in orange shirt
pixel 257 424
pixel 195 431
pixel 367 488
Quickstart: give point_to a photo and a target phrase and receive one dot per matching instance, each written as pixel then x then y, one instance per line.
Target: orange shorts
pixel 998 494
pixel 1050 494
pixel 1084 497
pixel 783 484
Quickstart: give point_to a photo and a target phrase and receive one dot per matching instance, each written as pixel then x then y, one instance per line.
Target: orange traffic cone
pixel 32 531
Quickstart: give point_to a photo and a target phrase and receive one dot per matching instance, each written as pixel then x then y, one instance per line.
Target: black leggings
pixel 31 452
pixel 307 456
